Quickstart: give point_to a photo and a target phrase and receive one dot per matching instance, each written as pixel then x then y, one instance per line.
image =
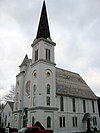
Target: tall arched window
pixel 48 88
pixel 34 89
pixel 48 122
pixel 62 121
pixel 48 54
pixel 94 121
pixel 61 104
pixel 84 106
pixel 33 120
pixel 93 108
pixel 34 93
pixel 28 88
pixel 74 120
pixel 74 106
pixel 36 55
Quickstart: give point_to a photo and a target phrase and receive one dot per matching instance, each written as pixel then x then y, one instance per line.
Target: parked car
pixel 33 129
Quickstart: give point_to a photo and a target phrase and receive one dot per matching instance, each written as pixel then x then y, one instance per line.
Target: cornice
pixel 43 61
pixel 43 108
pixel 43 39
pixel 17 111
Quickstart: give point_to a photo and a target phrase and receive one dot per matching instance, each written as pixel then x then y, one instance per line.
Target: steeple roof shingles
pixel 43 28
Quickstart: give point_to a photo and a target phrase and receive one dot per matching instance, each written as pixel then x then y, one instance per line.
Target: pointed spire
pixel 25 61
pixel 43 28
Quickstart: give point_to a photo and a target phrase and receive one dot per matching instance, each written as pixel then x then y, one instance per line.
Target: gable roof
pixel 11 104
pixel 71 84
pixel 25 61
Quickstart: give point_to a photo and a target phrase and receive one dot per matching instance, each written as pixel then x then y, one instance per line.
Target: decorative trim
pixel 43 108
pixel 74 96
pixel 20 73
pixel 43 39
pixel 18 111
pixel 43 61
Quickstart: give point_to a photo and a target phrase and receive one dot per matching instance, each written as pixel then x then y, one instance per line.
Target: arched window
pixel 84 106
pixel 28 88
pixel 74 120
pixel 34 100
pixel 48 88
pixel 34 89
pixel 48 100
pixel 17 96
pixel 62 121
pixel 33 120
pixel 34 97
pixel 48 54
pixel 94 121
pixel 74 106
pixel 48 122
pixel 36 55
pixel 61 104
pixel 93 108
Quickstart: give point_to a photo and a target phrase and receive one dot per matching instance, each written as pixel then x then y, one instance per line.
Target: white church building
pixel 59 99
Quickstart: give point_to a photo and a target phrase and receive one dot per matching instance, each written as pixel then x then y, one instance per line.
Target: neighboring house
pixel 99 109
pixel 0 117
pixel 6 114
pixel 59 99
pixel 1 108
pixel 99 105
pixel 0 114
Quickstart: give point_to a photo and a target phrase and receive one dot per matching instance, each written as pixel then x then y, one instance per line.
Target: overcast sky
pixel 74 26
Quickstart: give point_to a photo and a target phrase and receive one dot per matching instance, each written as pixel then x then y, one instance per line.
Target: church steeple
pixel 43 28
pixel 43 46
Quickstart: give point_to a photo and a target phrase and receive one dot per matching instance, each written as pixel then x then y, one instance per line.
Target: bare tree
pixel 1 100
pixel 10 95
